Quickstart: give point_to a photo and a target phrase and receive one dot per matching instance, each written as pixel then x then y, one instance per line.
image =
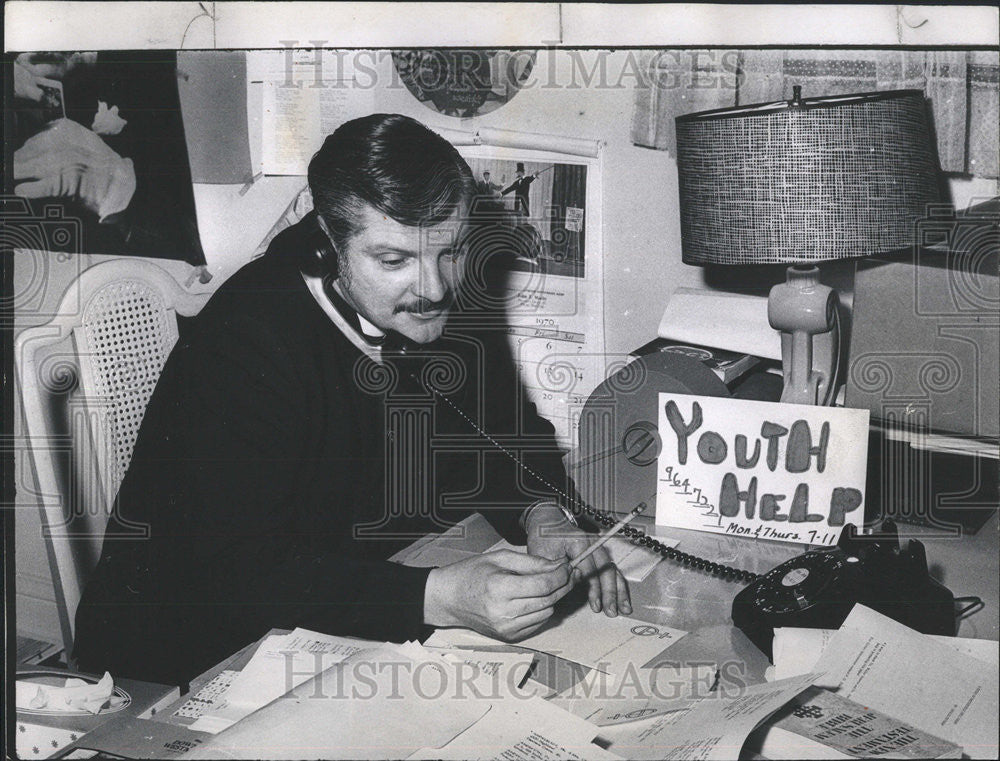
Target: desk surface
pixel 692 600
pixel 700 603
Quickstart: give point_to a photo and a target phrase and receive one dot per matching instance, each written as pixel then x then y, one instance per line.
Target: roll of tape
pixel 618 442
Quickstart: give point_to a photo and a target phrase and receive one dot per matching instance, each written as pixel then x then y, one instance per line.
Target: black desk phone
pixel 819 588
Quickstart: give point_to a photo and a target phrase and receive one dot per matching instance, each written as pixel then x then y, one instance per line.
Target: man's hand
pixel 502 594
pixel 550 535
pixel 70 161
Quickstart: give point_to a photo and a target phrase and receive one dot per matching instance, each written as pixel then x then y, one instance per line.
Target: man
pixel 487 187
pixel 520 187
pixel 317 417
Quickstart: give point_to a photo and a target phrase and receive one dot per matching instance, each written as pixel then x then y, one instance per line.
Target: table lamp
pixel 800 182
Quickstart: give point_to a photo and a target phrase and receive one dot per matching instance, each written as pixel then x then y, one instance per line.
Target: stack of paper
pixel 912 677
pixel 821 724
pixel 394 700
pixel 796 650
pixel 282 661
pixel 714 727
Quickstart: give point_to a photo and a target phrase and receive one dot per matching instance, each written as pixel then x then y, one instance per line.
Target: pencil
pixel 606 536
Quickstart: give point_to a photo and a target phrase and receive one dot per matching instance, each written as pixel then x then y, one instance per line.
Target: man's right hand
pixel 502 594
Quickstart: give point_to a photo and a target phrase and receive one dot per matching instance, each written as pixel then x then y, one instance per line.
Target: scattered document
pixel 282 661
pixel 613 645
pixel 797 650
pixel 335 714
pixel 605 699
pixel 821 724
pixel 207 697
pixel 522 730
pixel 394 700
pixel 513 666
pixel 891 668
pixel 469 538
pixel 714 727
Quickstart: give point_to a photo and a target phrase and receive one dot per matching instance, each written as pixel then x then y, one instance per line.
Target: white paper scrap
pixel 522 730
pixel 282 662
pixel 713 728
pixel 797 650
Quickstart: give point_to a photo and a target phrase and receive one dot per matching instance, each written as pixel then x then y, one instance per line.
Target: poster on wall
pixel 552 291
pixel 98 138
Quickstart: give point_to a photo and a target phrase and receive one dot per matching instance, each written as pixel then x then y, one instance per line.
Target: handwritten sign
pixel 787 472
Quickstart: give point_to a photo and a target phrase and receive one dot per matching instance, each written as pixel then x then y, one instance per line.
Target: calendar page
pixel 554 297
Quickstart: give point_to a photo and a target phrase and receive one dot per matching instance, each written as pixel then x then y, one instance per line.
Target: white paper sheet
pixel 306 95
pixel 512 667
pixel 613 645
pixel 713 728
pixel 466 539
pixel 797 650
pixel 605 699
pixel 800 469
pixel 522 730
pixel 463 638
pixel 878 662
pixel 387 702
pixel 282 661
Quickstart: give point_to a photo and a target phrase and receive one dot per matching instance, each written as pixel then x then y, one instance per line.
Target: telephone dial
pixel 819 588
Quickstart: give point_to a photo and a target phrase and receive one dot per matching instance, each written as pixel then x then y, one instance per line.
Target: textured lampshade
pixel 805 180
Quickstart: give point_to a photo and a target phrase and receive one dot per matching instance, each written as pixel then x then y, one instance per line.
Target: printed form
pixel 874 660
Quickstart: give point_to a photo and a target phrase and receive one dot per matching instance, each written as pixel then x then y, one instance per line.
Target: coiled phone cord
pixel 637 535
pixel 578 508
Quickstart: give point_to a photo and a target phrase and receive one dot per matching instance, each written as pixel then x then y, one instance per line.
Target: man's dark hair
pixel 393 163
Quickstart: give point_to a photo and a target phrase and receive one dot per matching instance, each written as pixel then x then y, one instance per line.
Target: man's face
pixel 486 175
pixel 402 278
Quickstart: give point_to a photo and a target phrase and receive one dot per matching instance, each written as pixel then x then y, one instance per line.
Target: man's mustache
pixel 426 305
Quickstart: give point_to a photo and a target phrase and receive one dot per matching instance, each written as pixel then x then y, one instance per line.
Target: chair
pixel 85 378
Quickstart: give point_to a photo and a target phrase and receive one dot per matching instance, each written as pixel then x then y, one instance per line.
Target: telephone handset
pixel 819 588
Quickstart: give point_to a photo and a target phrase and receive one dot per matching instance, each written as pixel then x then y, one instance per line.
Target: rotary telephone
pixel 819 588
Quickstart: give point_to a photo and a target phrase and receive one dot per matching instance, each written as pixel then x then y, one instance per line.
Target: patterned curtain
pixel 962 88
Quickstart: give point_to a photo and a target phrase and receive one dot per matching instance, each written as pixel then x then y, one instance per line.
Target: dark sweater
pixel 265 449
